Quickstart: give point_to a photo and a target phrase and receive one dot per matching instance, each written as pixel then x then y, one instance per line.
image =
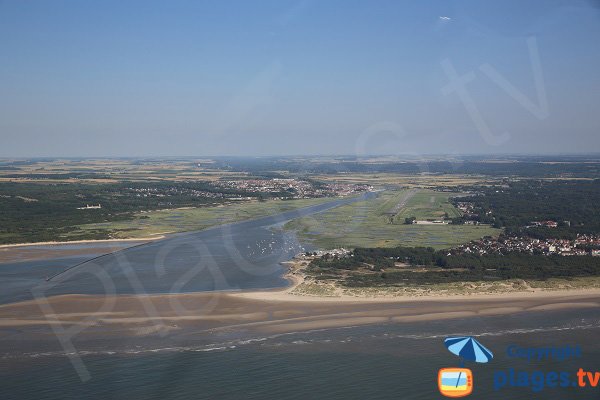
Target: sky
pixel 291 77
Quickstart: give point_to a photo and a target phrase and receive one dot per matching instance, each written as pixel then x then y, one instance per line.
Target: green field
pixel 428 204
pixel 190 219
pixel 367 223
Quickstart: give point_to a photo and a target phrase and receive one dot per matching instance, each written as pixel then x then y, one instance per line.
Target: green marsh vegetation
pixel 378 223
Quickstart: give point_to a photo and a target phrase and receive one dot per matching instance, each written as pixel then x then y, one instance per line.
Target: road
pixel 402 203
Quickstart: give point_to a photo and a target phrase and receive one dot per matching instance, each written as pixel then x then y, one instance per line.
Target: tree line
pixel 441 267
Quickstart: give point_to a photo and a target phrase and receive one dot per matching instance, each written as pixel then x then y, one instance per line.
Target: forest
pixel 34 212
pixel 515 205
pixel 441 267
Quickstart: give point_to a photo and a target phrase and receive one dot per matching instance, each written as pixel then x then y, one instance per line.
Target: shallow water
pixel 395 361
pixel 243 255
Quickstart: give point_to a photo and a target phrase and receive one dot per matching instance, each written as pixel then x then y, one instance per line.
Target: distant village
pixel 297 189
pixel 170 191
pixel 247 189
pixel 286 188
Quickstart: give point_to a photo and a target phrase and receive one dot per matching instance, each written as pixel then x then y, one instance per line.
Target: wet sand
pixel 197 316
pixel 10 253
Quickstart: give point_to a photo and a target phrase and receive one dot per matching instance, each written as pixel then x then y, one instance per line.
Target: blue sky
pixel 138 78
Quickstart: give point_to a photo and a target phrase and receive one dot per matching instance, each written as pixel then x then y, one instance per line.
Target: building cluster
pixel 90 207
pixel 246 189
pixel 340 253
pixel 276 185
pixel 293 188
pixel 174 191
pixel 469 215
pixel 467 209
pixel 547 224
pixel 583 245
pixel 344 189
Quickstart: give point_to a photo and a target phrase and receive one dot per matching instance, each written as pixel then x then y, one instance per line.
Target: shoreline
pixel 16 253
pixel 7 257
pixel 162 235
pixel 304 304
pixel 286 294
pixel 89 241
pixel 205 316
pixel 200 317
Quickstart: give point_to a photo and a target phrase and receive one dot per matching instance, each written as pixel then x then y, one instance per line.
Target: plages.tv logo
pixel 458 382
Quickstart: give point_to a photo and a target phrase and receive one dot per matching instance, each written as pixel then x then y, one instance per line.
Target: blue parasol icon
pixel 468 348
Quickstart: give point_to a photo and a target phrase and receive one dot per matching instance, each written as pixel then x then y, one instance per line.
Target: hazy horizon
pixel 291 78
pixel 388 157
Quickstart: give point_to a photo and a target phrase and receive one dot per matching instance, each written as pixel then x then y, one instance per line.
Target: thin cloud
pixel 444 18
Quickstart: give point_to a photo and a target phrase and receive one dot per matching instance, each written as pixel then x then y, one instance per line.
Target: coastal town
pixel 247 189
pixel 293 188
pixel 583 245
pixel 243 189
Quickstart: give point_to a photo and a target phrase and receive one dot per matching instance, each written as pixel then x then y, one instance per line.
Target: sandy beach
pixel 267 311
pixel 198 315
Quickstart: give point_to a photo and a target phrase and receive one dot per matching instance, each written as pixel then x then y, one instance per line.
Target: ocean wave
pixel 279 340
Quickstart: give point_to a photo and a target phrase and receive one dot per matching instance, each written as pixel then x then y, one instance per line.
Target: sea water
pixel 389 361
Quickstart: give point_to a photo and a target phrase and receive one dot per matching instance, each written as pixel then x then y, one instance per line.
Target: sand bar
pixel 197 314
pixel 48 250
